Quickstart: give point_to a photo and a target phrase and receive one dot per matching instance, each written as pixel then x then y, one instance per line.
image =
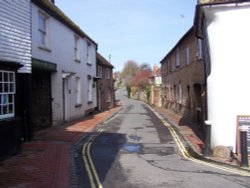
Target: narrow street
pixel 135 149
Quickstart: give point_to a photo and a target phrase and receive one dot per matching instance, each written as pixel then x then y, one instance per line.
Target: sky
pixel 140 30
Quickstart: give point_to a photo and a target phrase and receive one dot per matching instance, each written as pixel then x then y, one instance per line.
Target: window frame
pixel 108 95
pixel 43 38
pixel 187 55
pixel 77 48
pixel 7 95
pixel 78 91
pixel 107 73
pixel 90 90
pixel 88 55
pixel 199 49
pixel 178 58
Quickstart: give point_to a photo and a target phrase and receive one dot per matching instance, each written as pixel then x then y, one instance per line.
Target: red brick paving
pixel 45 161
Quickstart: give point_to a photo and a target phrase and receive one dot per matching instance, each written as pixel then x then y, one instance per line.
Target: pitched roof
pixel 178 43
pixel 208 2
pixel 54 11
pixel 102 61
pixel 199 14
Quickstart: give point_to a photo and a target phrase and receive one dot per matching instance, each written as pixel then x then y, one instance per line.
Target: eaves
pixel 55 12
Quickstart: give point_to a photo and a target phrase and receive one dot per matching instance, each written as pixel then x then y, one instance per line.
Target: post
pixel 207 148
pixel 243 145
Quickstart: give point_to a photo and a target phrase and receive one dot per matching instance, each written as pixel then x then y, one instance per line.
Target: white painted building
pixel 61 46
pixel 225 29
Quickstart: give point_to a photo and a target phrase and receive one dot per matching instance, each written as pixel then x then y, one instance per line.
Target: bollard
pixel 243 145
pixel 207 147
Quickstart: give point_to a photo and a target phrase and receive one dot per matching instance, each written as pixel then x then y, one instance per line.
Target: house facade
pixel 156 87
pixel 222 26
pixel 106 90
pixel 64 67
pixel 183 83
pixel 15 75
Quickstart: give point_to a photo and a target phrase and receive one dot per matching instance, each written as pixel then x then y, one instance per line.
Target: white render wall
pixel 15 34
pixel 228 87
pixel 61 44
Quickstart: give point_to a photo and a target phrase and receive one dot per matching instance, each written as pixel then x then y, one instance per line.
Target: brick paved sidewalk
pixel 45 161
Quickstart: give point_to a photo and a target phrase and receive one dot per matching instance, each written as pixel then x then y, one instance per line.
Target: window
pixel 108 95
pixel 77 48
pixel 187 56
pixel 107 75
pixel 78 91
pixel 89 89
pixel 88 54
pixel 100 71
pixel 43 30
pixel 199 44
pixel 7 94
pixel 180 94
pixel 178 58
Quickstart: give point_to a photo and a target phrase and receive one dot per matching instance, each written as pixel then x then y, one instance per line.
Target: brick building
pixel 105 92
pixel 183 89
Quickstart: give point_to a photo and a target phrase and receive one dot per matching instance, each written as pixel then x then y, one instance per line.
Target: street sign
pixel 244 126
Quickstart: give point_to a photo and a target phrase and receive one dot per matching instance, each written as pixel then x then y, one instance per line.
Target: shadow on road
pixel 103 152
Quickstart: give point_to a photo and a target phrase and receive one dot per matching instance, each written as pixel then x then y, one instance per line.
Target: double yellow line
pixel 185 153
pixel 89 164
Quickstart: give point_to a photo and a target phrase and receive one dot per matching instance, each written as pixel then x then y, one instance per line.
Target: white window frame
pixel 187 56
pixel 107 73
pixel 199 46
pixel 43 38
pixel 100 71
pixel 7 94
pixel 77 48
pixel 88 54
pixel 90 93
pixel 178 58
pixel 78 91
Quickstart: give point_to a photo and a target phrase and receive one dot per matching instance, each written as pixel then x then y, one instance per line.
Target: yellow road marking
pixel 90 167
pixel 92 184
pixel 185 153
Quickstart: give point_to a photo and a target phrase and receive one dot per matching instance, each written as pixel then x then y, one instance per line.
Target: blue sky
pixel 142 30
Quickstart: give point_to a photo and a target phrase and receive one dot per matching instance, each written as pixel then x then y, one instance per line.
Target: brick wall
pixel 184 81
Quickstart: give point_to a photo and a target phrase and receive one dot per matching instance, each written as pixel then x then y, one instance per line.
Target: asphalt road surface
pixel 134 149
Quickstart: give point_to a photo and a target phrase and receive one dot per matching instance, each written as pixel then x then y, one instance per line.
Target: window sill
pixel 78 105
pixel 78 60
pixel 44 48
pixel 90 102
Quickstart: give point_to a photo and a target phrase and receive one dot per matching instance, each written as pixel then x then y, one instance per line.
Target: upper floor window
pixel 43 29
pixel 88 54
pixel 7 94
pixel 77 48
pixel 199 45
pixel 187 56
pixel 107 74
pixel 99 71
pixel 178 58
